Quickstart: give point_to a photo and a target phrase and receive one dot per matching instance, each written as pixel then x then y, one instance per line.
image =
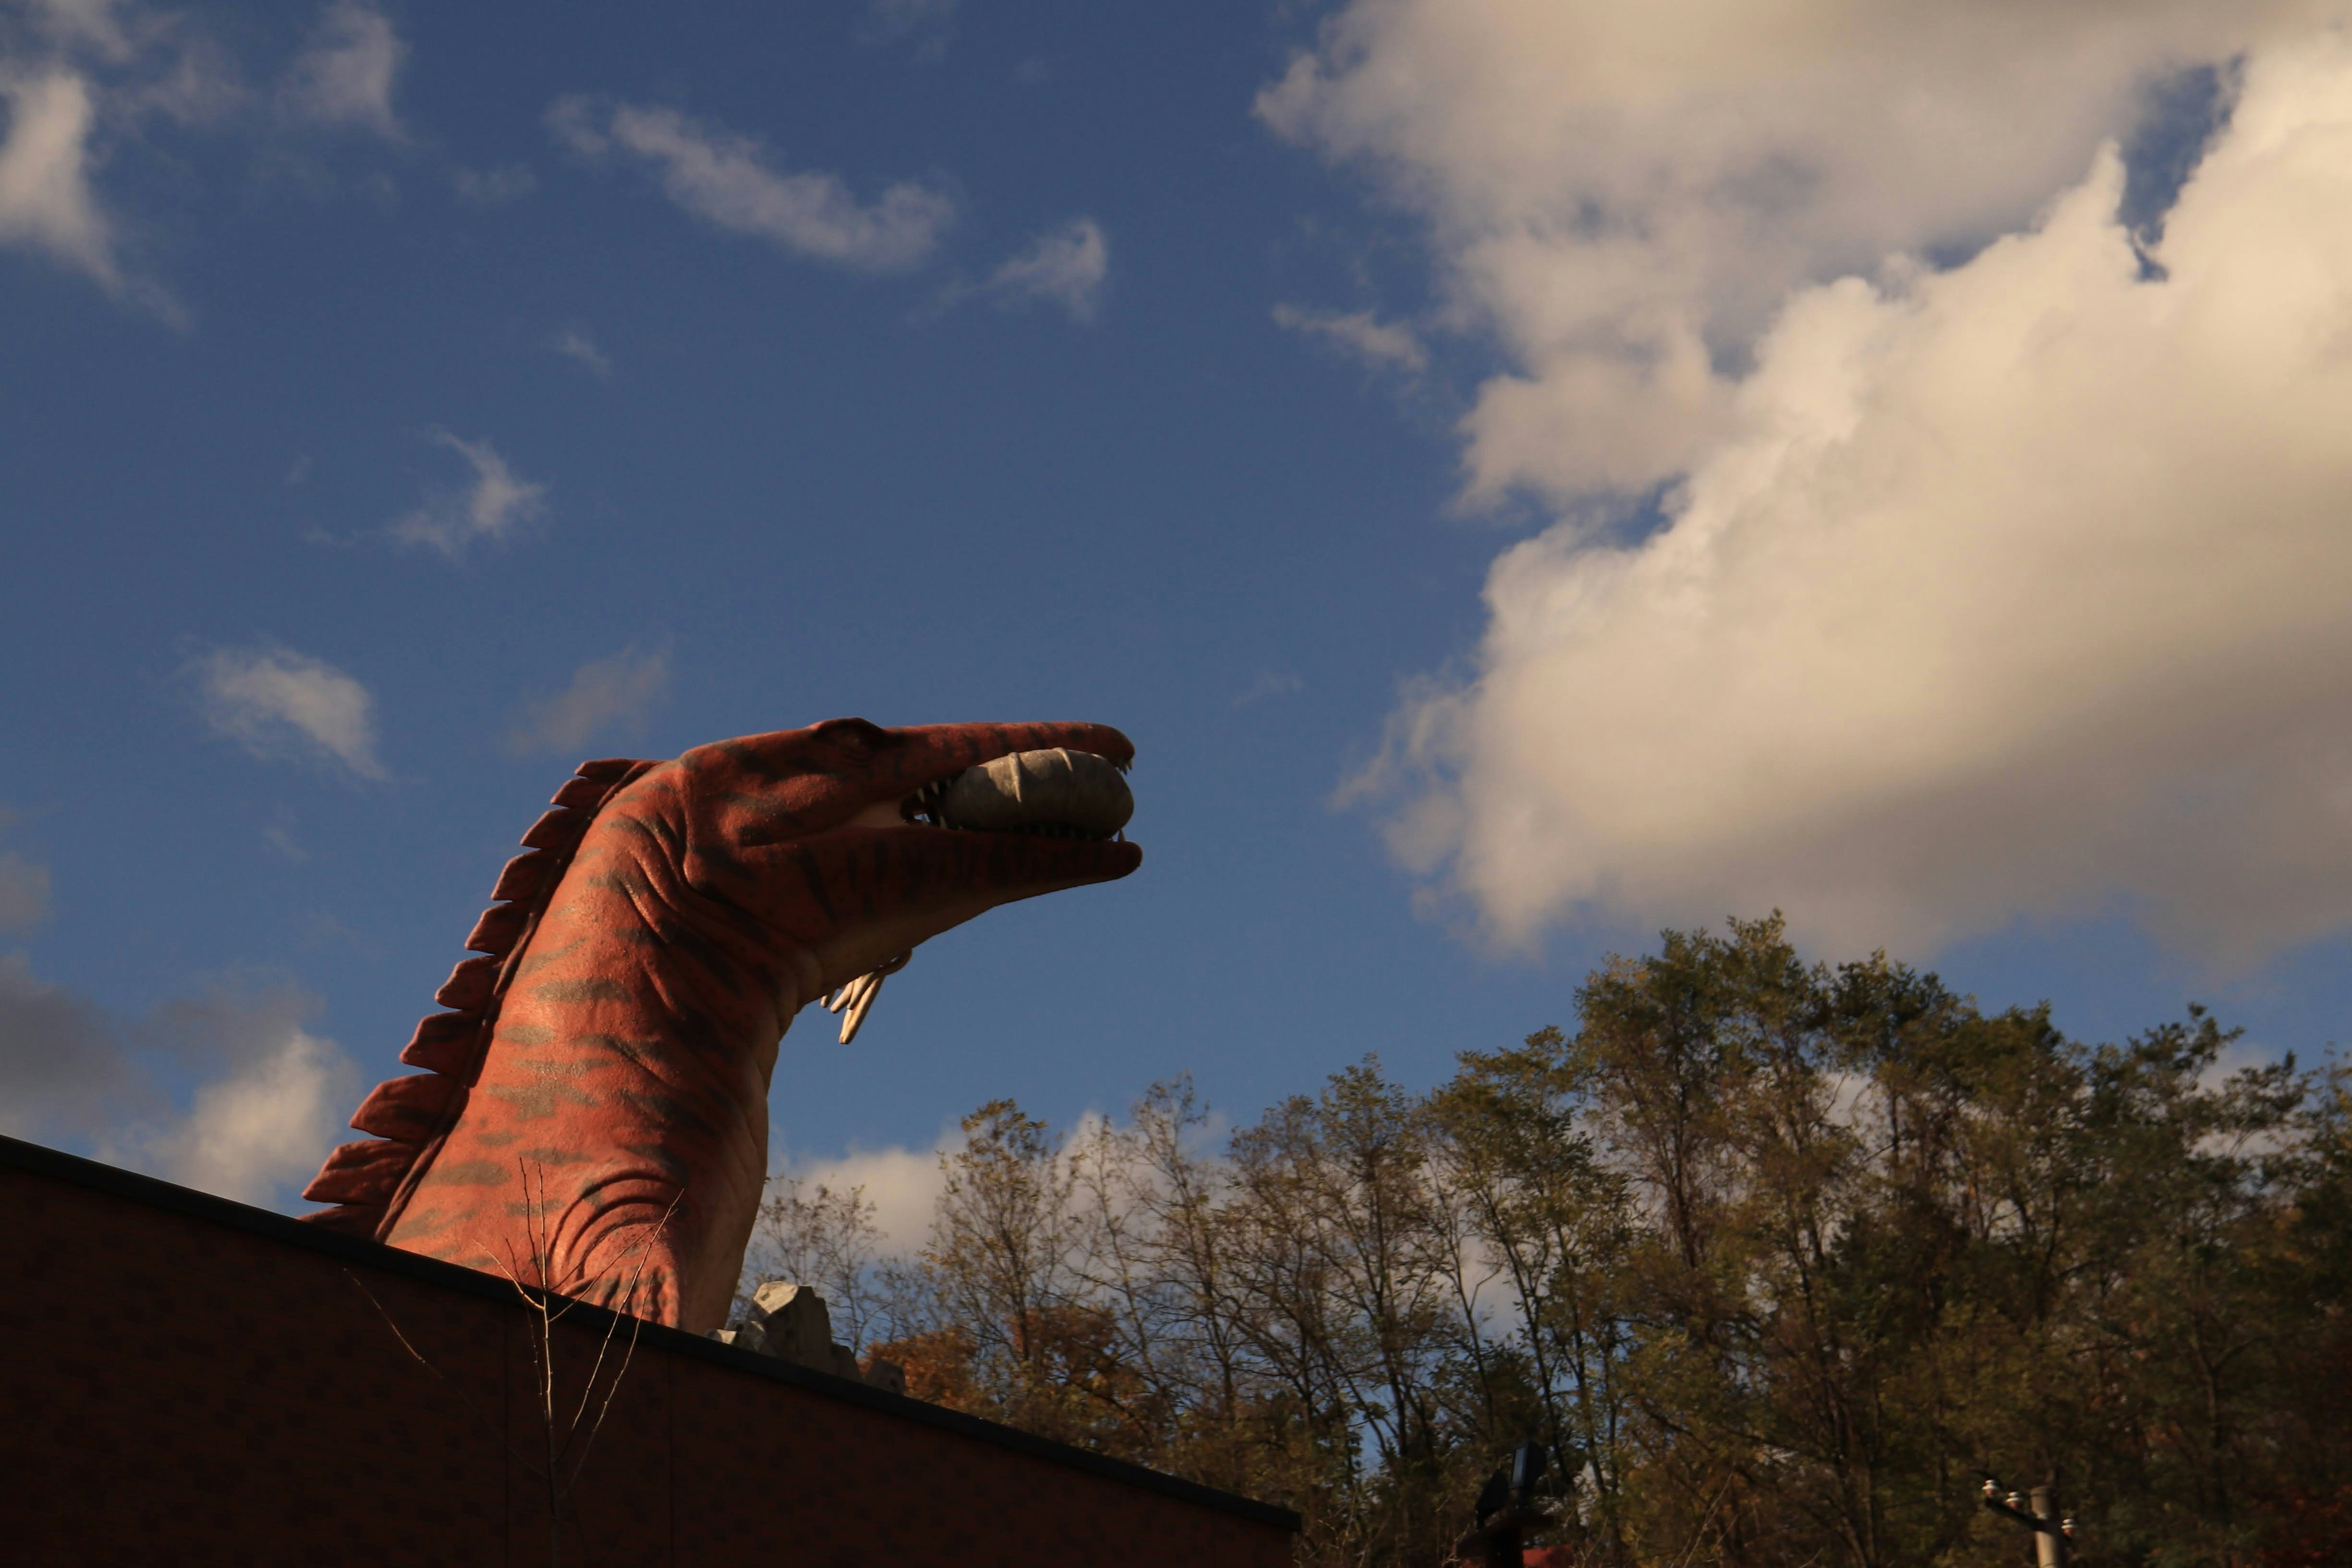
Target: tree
pixel 1778 1260
pixel 827 1239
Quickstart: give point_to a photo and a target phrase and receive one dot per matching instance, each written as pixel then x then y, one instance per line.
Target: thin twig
pixel 611 1389
pixel 388 1324
pixel 551 1302
pixel 629 1298
pixel 479 1415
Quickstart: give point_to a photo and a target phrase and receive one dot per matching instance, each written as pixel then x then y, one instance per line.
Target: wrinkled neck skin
pixel 615 1146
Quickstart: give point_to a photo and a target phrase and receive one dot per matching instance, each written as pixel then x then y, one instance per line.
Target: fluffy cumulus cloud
pixel 1623 195
pixel 2010 587
pixel 229 1092
pixel 607 697
pixel 734 181
pixel 344 77
pixel 278 704
pixel 1066 265
pixel 903 1184
pixel 273 1103
pixel 489 508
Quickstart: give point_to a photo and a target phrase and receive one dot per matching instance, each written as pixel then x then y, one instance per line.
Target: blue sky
pixel 402 403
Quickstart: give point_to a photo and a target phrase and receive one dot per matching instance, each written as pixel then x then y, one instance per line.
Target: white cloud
pixel 729 179
pixel 903 1186
pixel 608 696
pixel 575 344
pixel 268 1100
pixel 276 703
pixel 81 81
pixel 1621 195
pixel 268 1120
pixel 494 187
pixel 2016 588
pixel 1361 333
pixel 1064 266
pixel 344 77
pixel 490 508
pixel 45 201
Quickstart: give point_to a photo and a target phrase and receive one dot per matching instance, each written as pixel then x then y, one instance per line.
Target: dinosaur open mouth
pixel 1056 792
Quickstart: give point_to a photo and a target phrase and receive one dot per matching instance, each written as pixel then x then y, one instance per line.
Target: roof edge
pixel 156 1193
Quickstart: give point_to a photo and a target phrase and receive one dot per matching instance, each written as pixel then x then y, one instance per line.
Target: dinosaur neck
pixel 618 1132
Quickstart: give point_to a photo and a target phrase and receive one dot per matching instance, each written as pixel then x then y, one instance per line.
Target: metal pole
pixel 2049 1546
pixel 2038 1513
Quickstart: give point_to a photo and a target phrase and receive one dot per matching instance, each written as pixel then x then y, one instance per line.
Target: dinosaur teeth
pixel 857 997
pixel 868 986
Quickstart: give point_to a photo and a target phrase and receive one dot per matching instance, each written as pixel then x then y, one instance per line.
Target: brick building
pixel 192 1381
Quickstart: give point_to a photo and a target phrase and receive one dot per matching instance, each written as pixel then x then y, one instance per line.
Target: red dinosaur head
pixel 829 836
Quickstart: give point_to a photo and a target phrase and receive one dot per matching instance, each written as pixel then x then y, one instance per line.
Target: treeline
pixel 1780 1261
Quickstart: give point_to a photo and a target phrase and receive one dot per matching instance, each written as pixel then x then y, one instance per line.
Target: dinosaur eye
pixel 854 734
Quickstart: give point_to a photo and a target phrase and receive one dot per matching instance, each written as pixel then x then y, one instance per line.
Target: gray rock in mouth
pixel 1057 792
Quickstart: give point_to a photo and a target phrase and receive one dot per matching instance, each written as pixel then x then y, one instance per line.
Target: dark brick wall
pixel 189 1380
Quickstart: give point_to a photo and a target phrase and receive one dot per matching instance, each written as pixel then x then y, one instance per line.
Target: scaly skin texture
pixel 710 900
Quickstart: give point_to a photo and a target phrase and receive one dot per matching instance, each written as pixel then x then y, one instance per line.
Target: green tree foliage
pixel 1778 1260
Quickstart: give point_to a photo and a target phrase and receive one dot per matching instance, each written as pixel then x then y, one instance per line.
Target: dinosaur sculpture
pixel 596 1098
